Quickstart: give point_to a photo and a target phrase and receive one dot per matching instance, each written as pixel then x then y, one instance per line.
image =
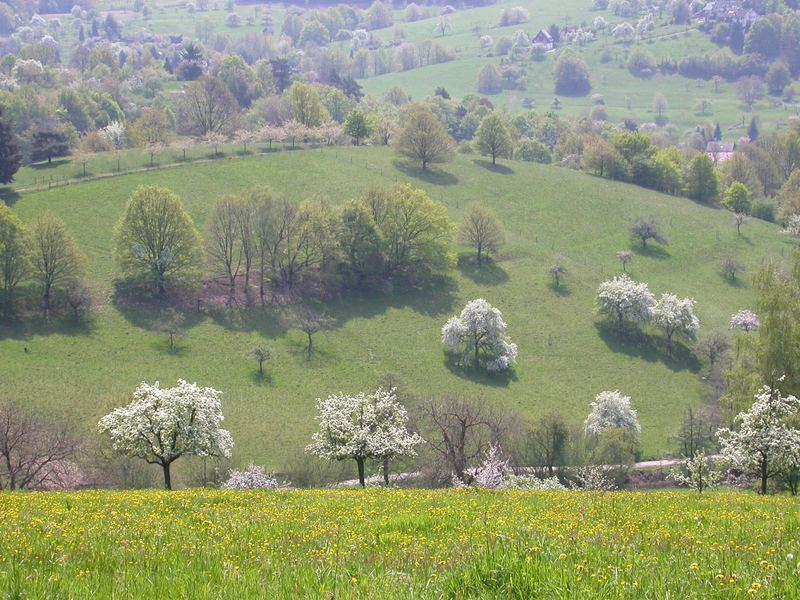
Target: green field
pixel 565 357
pixel 398 544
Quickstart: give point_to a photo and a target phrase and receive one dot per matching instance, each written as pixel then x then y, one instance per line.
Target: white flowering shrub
pixel 746 320
pixel 361 427
pixel 611 410
pixel 252 478
pixel 534 484
pixel 114 133
pixel 478 335
pixel 492 474
pixel 675 315
pixel 792 226
pixel 624 299
pixel 28 70
pixel 486 42
pixel 593 478
pixel 697 473
pixel 762 441
pixel 162 424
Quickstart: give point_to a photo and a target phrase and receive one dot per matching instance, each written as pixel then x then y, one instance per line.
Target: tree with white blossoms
pixel 763 442
pixel 491 474
pixel 162 424
pixel 612 410
pixel 698 474
pixel 252 478
pixel 675 315
pixel 478 334
pixel 361 427
pixel 746 320
pixel 623 299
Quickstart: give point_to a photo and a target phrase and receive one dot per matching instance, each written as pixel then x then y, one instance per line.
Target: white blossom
pixel 792 226
pixel 746 320
pixel 252 478
pixel 675 315
pixel 593 478
pixel 478 334
pixel 361 427
pixel 763 442
pixel 611 410
pixel 162 424
pixel 533 483
pixel 625 299
pixel 698 473
pixel 114 134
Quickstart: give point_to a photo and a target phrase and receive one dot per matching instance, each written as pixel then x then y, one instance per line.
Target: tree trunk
pixel 261 368
pixel 494 159
pixel 764 474
pixel 360 463
pixel 167 477
pixel 477 355
pixel 310 342
pixel 386 471
pixel 480 250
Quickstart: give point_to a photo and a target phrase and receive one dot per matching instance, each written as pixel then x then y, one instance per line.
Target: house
pixel 543 38
pixel 727 11
pixel 720 151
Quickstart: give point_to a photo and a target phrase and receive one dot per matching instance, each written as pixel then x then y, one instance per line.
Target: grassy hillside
pixel 564 357
pixel 398 544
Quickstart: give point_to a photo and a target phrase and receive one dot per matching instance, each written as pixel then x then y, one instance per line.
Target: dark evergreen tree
pixel 752 130
pixel 9 151
pixel 737 37
pixel 717 132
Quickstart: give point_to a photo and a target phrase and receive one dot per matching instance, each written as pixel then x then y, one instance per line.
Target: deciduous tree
pixel 424 139
pixel 482 230
pixel 478 336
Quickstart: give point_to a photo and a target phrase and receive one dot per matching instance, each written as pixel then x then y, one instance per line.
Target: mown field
pixel 566 356
pixel 398 544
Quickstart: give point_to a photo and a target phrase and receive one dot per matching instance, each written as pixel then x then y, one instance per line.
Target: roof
pixel 721 147
pixel 544 34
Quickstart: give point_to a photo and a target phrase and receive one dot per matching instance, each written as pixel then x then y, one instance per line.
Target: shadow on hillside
pixel 480 376
pixel 44 166
pixel 9 196
pixel 434 176
pixel 652 348
pixel 487 273
pixel 561 291
pixel 34 325
pixel 320 352
pixel 496 168
pixel 259 379
pixel 651 251
pixel 738 283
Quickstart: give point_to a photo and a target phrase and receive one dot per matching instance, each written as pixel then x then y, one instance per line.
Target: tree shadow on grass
pixel 319 356
pixel 487 273
pixel 480 376
pixel 562 290
pixel 263 380
pixel 651 251
pixel 430 175
pixel 9 196
pixel 494 168
pixel 24 327
pixel 738 283
pixel 640 344
pixel 44 166
pixel 179 347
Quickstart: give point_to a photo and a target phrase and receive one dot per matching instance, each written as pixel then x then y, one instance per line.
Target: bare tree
pixel 171 323
pixel 557 272
pixel 310 322
pixel 482 230
pixel 548 441
pixel 740 219
pixel 647 228
pixel 713 347
pixel 463 430
pixel 78 297
pixel 224 241
pixel 262 355
pixel 209 105
pixel 625 256
pixel 730 266
pixel 245 221
pixel 33 453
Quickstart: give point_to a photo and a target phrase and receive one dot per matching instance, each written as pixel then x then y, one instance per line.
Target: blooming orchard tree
pixel 746 320
pixel 252 478
pixel 162 424
pixel 675 315
pixel 764 442
pixel 699 474
pixel 479 335
pixel 612 410
pixel 361 427
pixel 491 474
pixel 623 299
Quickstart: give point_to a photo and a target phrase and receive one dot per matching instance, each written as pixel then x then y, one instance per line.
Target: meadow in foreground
pixel 393 543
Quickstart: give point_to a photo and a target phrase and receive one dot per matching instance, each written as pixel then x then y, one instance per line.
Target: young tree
pixel 310 322
pixel 10 156
pixel 660 105
pixel 675 315
pixel 489 80
pixel 423 138
pixel 701 179
pixel 624 299
pixel 482 230
pixel 478 335
pixel 14 260
pixel 746 320
pixel 224 241
pixel 362 427
pixel 262 355
pixel 156 238
pixel 750 90
pixel 557 272
pixel 55 257
pixel 738 198
pixel 33 453
pixel 493 137
pixel 78 296
pixel 740 219
pixel 713 347
pixel 730 266
pixel 698 473
pixel 625 256
pixel 647 228
pixel 162 424
pixel 171 323
pixel 763 439
pixel 611 410
pixel 357 126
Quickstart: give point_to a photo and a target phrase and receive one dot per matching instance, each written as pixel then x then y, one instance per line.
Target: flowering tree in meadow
pixel 623 299
pixel 611 410
pixel 478 334
pixel 361 427
pixel 697 474
pixel 675 315
pixel 162 424
pixel 746 320
pixel 763 443
pixel 252 478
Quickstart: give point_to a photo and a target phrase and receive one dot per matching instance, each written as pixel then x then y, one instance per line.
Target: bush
pixel 764 210
pixel 533 151
pixel 252 478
